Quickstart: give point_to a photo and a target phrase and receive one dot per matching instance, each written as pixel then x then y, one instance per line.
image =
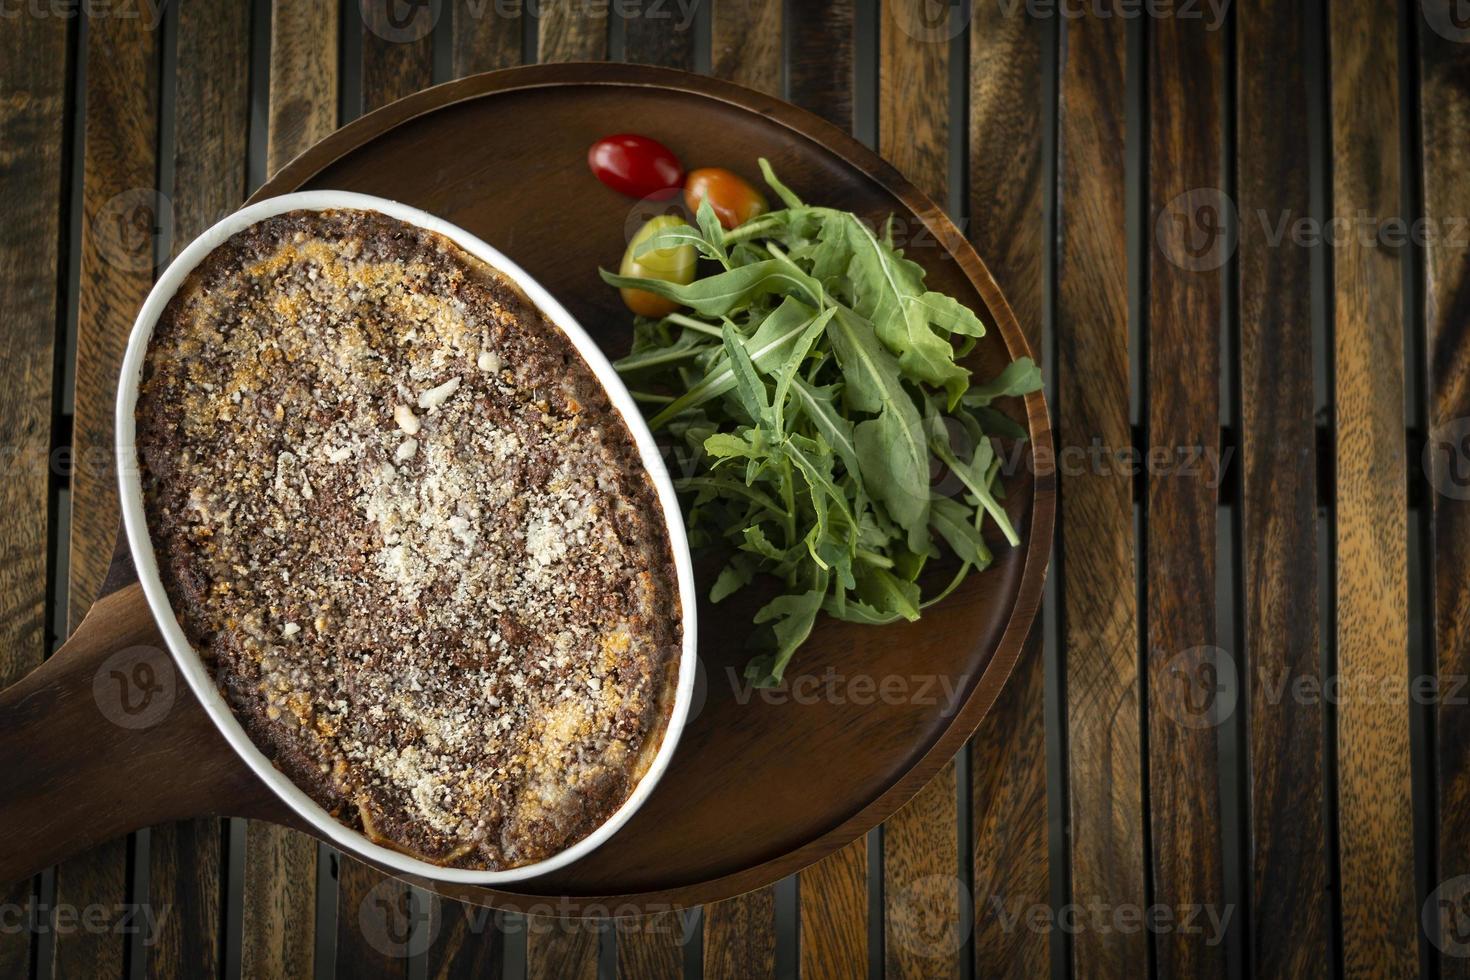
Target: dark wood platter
pixel 760 787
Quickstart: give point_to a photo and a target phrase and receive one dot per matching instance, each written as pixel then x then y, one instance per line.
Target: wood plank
pixel 397 50
pixel 375 922
pixel 467 942
pixel 651 947
pixel 33 69
pixel 560 949
pixel 923 900
pixel 834 914
pixel 740 937
pixel 278 932
pixel 212 118
pixel 1011 858
pixel 487 35
pixel 571 32
pixel 659 34
pixel 820 59
pixel 1186 95
pixel 303 85
pixel 1375 811
pixel 120 215
pixel 1099 608
pixel 922 891
pixel 746 42
pixel 1290 927
pixel 1008 753
pixel 913 101
pixel 1445 110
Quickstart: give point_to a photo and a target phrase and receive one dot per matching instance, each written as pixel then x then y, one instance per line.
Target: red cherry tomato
pixel 635 165
pixel 733 199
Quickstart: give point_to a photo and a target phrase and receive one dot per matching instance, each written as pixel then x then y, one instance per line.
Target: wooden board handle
pixel 104 738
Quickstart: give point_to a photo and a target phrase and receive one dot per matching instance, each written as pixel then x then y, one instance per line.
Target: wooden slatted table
pixel 1238 742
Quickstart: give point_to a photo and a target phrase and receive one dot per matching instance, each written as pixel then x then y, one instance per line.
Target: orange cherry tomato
pixel 733 199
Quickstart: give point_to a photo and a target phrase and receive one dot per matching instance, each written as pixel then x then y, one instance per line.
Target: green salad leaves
pixel 812 393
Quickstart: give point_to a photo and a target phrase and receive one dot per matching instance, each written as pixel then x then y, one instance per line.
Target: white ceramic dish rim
pixel 192 666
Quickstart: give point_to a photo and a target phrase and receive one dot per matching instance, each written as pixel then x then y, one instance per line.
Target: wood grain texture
pixel 212 116
pixel 376 919
pixel 1290 927
pixel 560 949
pixel 184 877
pixel 923 902
pixel 278 934
pixel 746 42
pixel 1379 911
pixel 468 942
pixel 1099 608
pixel 923 910
pixel 651 947
pixel 1008 753
pixel 820 59
pixel 571 32
pixel 834 914
pixel 1445 114
pixel 303 82
pixel 739 937
pixel 913 97
pixel 33 71
pixel 660 33
pixel 120 215
pixel 1185 102
pixel 487 35
pixel 397 49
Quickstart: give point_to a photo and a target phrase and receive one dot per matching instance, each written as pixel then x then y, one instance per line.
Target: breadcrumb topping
pixel 400 520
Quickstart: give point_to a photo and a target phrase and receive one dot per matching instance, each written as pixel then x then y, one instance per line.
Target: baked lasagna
pixel 398 517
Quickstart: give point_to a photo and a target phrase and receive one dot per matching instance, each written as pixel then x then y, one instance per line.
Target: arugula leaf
pixel 720 294
pixel 791 618
pixel 807 389
pixel 779 330
pixel 890 449
pixel 1020 377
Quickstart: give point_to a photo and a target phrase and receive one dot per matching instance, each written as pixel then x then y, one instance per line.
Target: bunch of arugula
pixel 817 385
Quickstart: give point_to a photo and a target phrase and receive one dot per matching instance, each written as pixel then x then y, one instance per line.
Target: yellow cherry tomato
pixel 733 199
pixel 668 264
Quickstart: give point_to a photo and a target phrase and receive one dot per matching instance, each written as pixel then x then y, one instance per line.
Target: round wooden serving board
pixel 759 787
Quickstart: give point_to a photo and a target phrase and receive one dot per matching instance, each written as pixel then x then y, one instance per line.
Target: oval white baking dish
pixel 189 663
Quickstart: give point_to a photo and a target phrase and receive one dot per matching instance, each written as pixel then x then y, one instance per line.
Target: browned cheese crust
pixel 400 520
